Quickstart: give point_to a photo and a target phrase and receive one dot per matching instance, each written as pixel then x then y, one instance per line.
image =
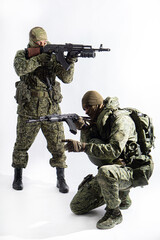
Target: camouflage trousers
pixel 26 134
pixel 109 186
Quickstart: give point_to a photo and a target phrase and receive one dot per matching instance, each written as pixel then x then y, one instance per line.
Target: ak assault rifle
pixel 73 50
pixel 68 118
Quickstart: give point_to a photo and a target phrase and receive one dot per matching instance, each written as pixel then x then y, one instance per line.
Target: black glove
pixel 74 146
pixel 71 59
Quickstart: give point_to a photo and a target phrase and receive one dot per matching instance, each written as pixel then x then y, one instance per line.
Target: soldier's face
pixel 90 111
pixel 41 43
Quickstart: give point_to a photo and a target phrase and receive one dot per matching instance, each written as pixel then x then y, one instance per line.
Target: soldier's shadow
pixel 40 211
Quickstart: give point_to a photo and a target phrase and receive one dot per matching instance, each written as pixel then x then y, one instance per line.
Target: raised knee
pixel 104 170
pixel 107 172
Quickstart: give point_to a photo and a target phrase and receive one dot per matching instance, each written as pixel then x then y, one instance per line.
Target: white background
pixel 130 72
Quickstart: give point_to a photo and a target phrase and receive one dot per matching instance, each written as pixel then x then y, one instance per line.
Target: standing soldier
pixel 39 94
pixel 110 141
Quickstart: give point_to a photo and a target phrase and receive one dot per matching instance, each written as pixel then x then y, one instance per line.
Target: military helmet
pixel 36 34
pixel 92 98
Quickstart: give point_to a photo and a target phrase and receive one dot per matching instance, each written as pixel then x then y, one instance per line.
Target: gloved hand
pixel 43 58
pixel 79 123
pixel 71 59
pixel 74 146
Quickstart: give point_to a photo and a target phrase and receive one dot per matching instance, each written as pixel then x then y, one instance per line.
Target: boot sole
pixel 65 191
pixel 19 188
pixel 103 227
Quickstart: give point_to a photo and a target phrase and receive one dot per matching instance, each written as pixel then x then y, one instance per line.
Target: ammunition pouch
pixel 23 94
pixel 132 149
pixel 44 74
pixel 139 178
pixel 142 165
pixel 142 174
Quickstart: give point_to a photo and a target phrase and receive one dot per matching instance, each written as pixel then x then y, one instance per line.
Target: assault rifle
pixel 68 118
pixel 73 50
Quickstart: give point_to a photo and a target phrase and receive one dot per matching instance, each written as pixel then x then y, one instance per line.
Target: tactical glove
pixel 71 59
pixel 74 146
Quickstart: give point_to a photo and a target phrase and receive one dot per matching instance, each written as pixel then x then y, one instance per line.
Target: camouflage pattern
pixel 34 101
pixel 102 189
pixel 106 145
pixel 88 196
pixel 111 218
pixel 112 179
pixel 125 199
pixel 115 139
pixel 36 34
pixel 26 134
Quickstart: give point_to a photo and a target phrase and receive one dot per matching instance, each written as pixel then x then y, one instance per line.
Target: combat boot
pixel 17 182
pixel 111 218
pixel 61 183
pixel 125 200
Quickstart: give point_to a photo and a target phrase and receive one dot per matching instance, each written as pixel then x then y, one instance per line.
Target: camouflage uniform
pixel 111 144
pixel 34 101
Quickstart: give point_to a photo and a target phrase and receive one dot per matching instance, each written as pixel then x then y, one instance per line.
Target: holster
pixel 88 178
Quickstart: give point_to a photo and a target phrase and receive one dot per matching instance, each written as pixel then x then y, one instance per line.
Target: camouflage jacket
pixel 32 94
pixel 107 138
pixel 112 139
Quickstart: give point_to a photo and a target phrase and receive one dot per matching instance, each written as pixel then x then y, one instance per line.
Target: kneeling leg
pixel 88 196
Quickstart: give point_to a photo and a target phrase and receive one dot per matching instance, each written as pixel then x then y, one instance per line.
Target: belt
pixel 39 94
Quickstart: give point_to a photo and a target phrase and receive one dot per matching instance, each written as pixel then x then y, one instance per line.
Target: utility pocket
pixel 23 94
pixel 87 179
pixel 57 96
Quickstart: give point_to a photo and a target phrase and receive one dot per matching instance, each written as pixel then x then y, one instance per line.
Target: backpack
pixel 144 129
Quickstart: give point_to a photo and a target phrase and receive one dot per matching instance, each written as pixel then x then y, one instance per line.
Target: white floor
pixel 41 212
